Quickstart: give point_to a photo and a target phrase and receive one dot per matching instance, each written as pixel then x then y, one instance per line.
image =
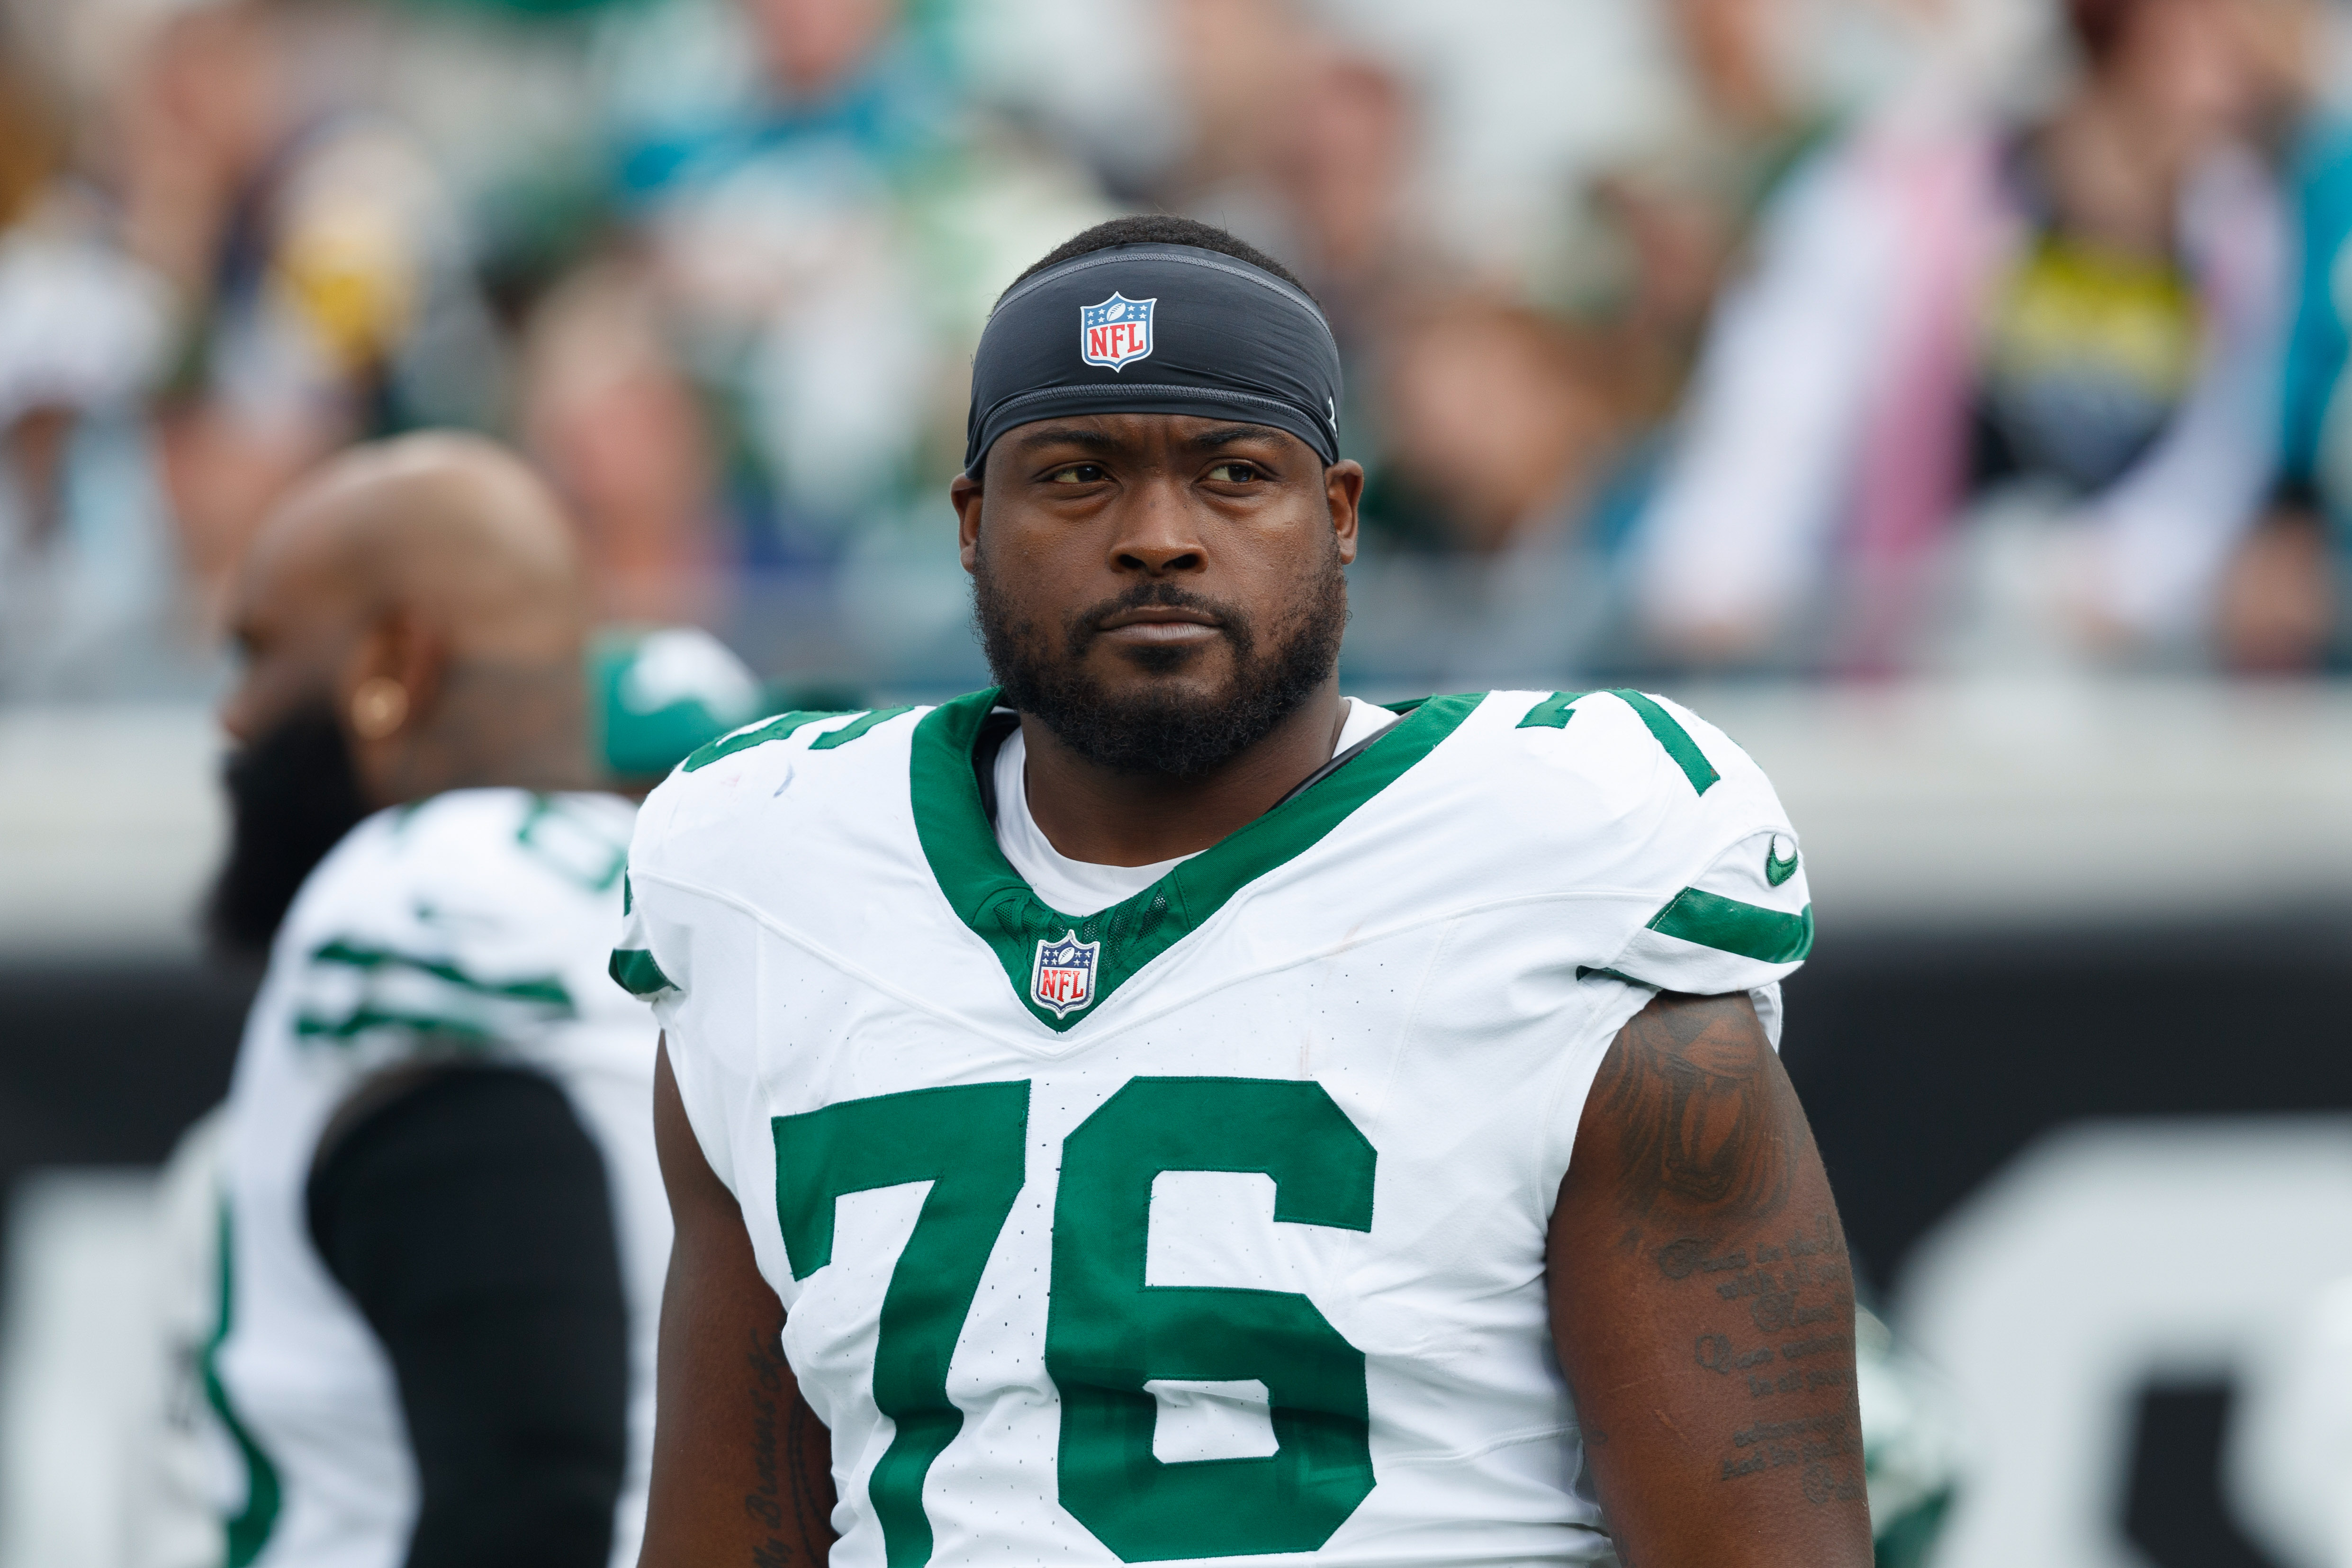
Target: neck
pixel 496 726
pixel 1090 813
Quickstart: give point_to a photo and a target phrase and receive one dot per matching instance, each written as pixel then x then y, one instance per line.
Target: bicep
pixel 742 1468
pixel 1702 1304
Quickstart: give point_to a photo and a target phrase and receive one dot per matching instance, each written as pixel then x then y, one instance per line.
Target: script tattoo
pixel 1710 1142
pixel 782 1432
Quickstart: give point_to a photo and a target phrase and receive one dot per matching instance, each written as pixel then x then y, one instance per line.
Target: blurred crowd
pixel 1841 338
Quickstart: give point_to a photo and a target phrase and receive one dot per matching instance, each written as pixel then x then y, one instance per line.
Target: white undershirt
pixel 1081 887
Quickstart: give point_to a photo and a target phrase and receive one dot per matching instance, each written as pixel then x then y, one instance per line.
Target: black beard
pixel 293 794
pixel 1154 732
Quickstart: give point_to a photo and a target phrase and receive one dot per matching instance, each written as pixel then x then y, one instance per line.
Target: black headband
pixel 1156 328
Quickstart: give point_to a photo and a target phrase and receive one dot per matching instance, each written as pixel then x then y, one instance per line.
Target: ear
pixel 964 495
pixel 1343 489
pixel 388 688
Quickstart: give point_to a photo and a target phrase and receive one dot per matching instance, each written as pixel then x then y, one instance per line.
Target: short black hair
pixel 1157 228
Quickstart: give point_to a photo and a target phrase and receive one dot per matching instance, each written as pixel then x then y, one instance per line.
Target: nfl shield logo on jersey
pixel 1065 978
pixel 1116 333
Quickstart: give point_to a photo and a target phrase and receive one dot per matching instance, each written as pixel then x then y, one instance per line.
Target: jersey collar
pixel 1003 911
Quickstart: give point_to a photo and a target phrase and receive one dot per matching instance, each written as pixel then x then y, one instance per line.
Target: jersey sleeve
pixel 1723 868
pixel 668 939
pixel 403 951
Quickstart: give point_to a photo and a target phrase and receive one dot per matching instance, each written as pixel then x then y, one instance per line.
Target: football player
pixel 443 1232
pixel 1160 1109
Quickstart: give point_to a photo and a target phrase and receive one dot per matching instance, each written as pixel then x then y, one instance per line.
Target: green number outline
pixel 1108 1332
pixel 968 1141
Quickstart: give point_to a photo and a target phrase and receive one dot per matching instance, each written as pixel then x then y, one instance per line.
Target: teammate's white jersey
pixel 1211 1225
pixel 471 925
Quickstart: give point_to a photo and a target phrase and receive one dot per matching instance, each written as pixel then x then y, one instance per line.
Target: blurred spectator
pixel 812 223
pixel 2280 607
pixel 607 412
pixel 1235 69
pixel 1499 424
pixel 1665 226
pixel 1341 158
pixel 2033 371
pixel 88 575
pixel 322 272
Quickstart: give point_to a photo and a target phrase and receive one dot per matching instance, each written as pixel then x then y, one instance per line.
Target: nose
pixel 234 714
pixel 1158 539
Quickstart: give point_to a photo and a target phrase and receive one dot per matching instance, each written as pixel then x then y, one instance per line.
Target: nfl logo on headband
pixel 1116 333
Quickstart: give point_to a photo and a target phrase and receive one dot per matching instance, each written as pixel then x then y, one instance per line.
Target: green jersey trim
pixel 1003 911
pixel 775 729
pixel 1553 712
pixel 633 970
pixel 1728 925
pixel 1673 738
pixel 856 727
pixel 547 989
pixel 366 1020
pixel 247 1529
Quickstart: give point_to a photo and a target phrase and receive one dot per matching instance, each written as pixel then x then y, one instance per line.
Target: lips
pixel 1171 618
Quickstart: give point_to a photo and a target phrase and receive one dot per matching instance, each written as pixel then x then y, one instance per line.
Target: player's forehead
pixel 1141 433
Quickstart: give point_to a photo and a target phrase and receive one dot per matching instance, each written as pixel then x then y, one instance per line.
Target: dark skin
pixel 439 566
pixel 1692 1149
pixel 743 1467
pixel 1701 1302
pixel 1076 512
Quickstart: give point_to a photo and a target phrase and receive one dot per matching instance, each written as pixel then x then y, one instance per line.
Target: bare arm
pixel 1702 1304
pixel 742 1472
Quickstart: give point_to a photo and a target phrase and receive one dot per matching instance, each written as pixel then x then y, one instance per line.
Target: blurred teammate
pixel 443 1237
pixel 1131 1109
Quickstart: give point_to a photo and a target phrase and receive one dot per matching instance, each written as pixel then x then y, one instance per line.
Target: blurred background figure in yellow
pixel 1999 394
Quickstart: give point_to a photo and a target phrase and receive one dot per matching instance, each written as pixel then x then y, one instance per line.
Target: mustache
pixel 1088 624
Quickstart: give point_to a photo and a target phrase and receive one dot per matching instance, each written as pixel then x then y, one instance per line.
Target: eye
pixel 1077 474
pixel 1235 473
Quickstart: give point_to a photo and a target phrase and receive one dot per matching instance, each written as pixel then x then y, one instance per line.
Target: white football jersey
pixel 473 925
pixel 1210 1225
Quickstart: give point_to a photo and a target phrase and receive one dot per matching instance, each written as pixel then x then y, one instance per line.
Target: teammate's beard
pixel 293 794
pixel 1161 731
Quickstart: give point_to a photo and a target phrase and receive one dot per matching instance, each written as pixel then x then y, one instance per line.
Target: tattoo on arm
pixel 785 1435
pixel 1702 1132
pixel 1711 1152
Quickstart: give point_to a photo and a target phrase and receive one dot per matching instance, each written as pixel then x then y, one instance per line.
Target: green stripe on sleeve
pixel 546 989
pixel 857 727
pixel 775 729
pixel 1728 925
pixel 365 1019
pixel 1673 738
pixel 635 971
pixel 1553 712
pixel 247 1529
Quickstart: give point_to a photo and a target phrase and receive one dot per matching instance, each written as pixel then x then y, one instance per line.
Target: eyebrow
pixel 1226 435
pixel 1094 440
pixel 1086 436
